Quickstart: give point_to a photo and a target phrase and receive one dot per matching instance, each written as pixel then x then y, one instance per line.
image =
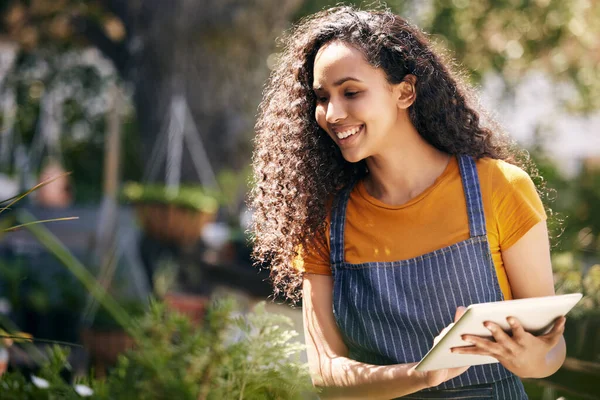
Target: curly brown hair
pixel 298 168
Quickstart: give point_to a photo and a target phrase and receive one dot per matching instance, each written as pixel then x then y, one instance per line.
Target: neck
pixel 404 169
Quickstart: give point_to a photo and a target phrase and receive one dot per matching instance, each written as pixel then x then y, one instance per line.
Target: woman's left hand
pixel 522 354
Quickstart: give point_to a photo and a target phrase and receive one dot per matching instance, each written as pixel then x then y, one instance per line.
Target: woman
pixel 380 191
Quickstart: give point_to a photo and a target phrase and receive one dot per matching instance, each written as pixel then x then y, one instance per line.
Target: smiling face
pixel 356 105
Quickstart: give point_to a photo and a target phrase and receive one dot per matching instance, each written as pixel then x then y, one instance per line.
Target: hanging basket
pixel 172 224
pixel 173 219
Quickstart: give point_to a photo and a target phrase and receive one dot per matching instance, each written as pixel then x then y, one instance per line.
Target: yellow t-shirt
pixel 437 218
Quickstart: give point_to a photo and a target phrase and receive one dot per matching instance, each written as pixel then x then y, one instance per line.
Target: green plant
pixel 591 288
pixel 48 383
pixel 6 223
pixel 263 363
pixel 11 276
pixel 75 267
pixel 233 186
pixel 105 321
pixel 229 357
pixel 193 197
pixel 8 339
pixel 569 277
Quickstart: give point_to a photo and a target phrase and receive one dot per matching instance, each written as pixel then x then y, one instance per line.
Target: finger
pixel 518 332
pixel 471 350
pixel 442 333
pixel 555 333
pixel 558 328
pixel 454 372
pixel 509 345
pixel 487 345
pixel 437 338
pixel 458 370
pixel 459 313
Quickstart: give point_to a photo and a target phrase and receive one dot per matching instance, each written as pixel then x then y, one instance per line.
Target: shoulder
pixel 501 176
pixel 509 189
pixel 515 202
pixel 501 169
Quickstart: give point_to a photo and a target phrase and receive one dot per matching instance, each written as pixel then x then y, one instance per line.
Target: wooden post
pixel 112 148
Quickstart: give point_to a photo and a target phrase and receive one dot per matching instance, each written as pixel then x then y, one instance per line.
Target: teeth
pixel 349 132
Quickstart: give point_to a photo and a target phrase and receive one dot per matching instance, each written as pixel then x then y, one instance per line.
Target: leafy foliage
pixel 246 357
pixel 261 357
pixel 570 277
pixel 511 37
pixel 47 385
pixel 194 197
pixel 39 23
pixel 230 356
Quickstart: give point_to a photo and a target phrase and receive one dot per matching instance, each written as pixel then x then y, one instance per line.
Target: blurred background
pixel 142 112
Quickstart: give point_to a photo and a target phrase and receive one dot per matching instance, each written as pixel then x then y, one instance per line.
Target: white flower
pixel 39 382
pixel 83 390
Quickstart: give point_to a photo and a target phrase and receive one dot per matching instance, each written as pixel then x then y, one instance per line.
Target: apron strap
pixel 472 191
pixel 470 181
pixel 336 228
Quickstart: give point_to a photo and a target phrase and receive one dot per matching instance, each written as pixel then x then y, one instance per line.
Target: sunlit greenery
pixel 229 357
pixel 511 37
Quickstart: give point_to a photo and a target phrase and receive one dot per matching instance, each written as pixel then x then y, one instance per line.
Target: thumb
pixel 459 312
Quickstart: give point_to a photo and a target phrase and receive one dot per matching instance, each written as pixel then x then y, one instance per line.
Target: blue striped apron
pixel 390 312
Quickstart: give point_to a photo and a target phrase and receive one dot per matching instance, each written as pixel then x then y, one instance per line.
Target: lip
pixel 350 139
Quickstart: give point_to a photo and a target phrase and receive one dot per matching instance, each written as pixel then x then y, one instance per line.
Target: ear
pixel 406 91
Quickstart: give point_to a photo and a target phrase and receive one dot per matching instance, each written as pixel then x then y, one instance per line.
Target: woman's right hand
pixel 439 376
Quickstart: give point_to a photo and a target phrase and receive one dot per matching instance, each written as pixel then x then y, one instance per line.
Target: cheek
pixel 320 117
pixel 359 108
pixel 365 106
pixel 385 109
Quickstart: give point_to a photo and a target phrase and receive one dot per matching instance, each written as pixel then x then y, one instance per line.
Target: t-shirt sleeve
pixel 517 204
pixel 314 257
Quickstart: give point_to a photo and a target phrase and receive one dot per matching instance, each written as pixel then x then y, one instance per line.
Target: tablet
pixel 536 315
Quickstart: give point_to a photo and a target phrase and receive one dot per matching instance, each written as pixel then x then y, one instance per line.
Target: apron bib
pixel 390 312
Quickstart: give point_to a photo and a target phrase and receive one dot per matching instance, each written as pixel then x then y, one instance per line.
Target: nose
pixel 335 112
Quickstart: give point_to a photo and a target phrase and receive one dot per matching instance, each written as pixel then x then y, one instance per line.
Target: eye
pixel 321 99
pixel 351 94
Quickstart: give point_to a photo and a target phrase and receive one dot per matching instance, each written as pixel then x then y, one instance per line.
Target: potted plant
pixel 172 217
pixel 229 355
pixel 168 288
pixel 106 339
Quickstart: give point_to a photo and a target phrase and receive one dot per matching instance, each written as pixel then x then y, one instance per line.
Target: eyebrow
pixel 339 82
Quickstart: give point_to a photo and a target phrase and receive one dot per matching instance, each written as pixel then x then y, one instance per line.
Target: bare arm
pixel 529 271
pixel 341 377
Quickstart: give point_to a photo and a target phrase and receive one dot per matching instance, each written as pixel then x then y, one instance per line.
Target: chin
pixel 353 157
